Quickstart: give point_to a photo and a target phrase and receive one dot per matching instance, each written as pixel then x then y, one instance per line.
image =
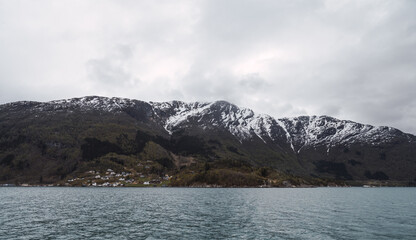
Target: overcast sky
pixel 353 60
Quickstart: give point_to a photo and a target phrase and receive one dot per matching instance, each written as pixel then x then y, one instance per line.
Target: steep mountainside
pixel 50 141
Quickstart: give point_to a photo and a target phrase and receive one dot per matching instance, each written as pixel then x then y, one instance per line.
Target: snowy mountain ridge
pixel 242 123
pixel 299 132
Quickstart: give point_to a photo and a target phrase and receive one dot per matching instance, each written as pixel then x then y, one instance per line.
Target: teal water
pixel 207 213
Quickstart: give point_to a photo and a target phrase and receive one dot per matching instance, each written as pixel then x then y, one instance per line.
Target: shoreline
pixel 200 186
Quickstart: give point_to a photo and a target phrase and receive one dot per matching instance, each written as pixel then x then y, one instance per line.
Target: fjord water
pixel 207 213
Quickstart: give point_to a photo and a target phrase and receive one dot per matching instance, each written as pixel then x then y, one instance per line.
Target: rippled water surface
pixel 198 213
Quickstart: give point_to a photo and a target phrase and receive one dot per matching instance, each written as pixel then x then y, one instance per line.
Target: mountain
pixel 53 141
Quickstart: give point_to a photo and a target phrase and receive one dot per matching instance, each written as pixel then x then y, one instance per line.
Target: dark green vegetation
pixel 77 146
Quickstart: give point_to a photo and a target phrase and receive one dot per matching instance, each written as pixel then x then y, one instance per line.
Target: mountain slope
pixel 51 140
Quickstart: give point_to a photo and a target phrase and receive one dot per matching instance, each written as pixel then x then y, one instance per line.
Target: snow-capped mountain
pixel 299 132
pixel 316 145
pixel 242 123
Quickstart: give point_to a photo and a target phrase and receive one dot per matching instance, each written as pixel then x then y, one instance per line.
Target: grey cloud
pixel 349 59
pixel 112 69
pixel 103 71
pixel 210 85
pixel 253 81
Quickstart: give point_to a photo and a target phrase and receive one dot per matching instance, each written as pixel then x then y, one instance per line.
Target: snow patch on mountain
pixel 323 130
pixel 86 104
pixel 288 137
pixel 181 112
pixel 243 123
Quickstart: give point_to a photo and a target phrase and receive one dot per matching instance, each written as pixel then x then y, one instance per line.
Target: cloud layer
pixel 349 59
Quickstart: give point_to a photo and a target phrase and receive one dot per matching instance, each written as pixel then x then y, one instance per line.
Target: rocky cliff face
pixel 308 145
